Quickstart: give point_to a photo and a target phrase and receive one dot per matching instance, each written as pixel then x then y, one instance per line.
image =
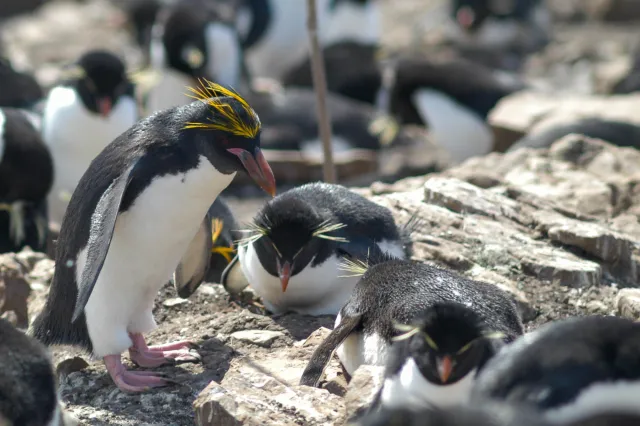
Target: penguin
pixel 27 382
pixel 18 89
pixel 274 33
pixel 521 26
pixel 618 133
pixel 389 297
pixel 134 213
pixel 26 177
pixel 569 369
pixel 192 39
pixel 293 253
pixel 209 254
pixel 92 106
pixel 486 414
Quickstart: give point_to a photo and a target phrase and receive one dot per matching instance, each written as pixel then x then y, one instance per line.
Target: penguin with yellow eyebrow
pixel 138 208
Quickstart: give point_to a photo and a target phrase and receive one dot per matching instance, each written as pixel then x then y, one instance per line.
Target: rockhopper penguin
pixel 132 217
pixel 292 254
pixel 27 382
pixel 26 176
pixel 569 369
pixel 444 327
pixel 89 109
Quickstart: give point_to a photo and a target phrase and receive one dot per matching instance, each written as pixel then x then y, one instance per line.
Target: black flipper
pixel 323 353
pixel 103 222
pixel 194 265
pixel 233 279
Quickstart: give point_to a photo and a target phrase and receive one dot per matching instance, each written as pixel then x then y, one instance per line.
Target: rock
pixel 258 337
pixel 628 303
pixel 174 302
pixel 364 385
pixel 14 290
pixel 613 10
pixel 70 365
pixel 249 396
pixel 42 272
pixel 29 258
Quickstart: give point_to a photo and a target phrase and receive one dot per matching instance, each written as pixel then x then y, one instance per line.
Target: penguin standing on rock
pixel 570 369
pixel 443 328
pixel 132 217
pixel 82 115
pixel 27 382
pixel 26 176
pixel 298 240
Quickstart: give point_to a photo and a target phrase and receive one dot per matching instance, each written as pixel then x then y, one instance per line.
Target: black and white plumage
pixel 516 25
pixel 192 39
pixel 398 291
pixel 26 176
pixel 132 217
pixel 274 32
pixel 299 240
pixel 27 382
pixel 18 89
pixel 92 106
pixel 570 369
pixel 618 133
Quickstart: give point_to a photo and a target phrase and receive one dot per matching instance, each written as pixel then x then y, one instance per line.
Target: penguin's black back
pixel 27 382
pixel 17 89
pixel 289 118
pixel 399 290
pixel 160 147
pixel 615 132
pixel 553 364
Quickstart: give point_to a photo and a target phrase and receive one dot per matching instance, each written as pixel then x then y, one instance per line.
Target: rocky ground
pixel 557 228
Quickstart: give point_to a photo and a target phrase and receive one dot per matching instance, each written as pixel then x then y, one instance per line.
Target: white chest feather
pixel 359 349
pixel 75 136
pixel 409 388
pixel 456 128
pixel 354 22
pixel 223 52
pixel 618 397
pixel 148 242
pixel 3 120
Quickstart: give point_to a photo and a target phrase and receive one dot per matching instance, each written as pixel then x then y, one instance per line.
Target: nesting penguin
pixel 192 39
pixel 131 218
pixel 570 369
pixel 516 25
pixel 432 328
pixel 27 383
pixel 292 256
pixel 26 177
pixel 92 106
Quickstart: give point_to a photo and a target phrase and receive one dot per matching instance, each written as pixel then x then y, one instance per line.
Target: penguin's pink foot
pixel 132 381
pixel 155 356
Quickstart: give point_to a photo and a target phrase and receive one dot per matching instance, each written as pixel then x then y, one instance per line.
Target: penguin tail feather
pixel 323 353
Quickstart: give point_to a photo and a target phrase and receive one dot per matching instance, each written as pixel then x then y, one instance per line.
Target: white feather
pixel 456 128
pixel 359 349
pixel 3 120
pixel 352 21
pixel 409 388
pixel 144 253
pixel 223 52
pixel 617 397
pixel 75 136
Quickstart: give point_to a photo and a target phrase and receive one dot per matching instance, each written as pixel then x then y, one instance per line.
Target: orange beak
pixel 445 366
pixel 284 271
pixel 104 107
pixel 257 168
pixel 465 17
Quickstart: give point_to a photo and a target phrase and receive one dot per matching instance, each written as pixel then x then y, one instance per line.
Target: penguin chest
pixel 353 21
pixel 316 290
pixel 410 389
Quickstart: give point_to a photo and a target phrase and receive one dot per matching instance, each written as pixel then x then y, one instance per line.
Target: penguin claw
pixel 132 381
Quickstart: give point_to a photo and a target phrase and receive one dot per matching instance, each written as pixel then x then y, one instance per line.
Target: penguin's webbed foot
pixel 155 356
pixel 132 381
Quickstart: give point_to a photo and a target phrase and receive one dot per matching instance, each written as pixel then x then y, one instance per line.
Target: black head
pixel 290 235
pixel 17 89
pixel 185 35
pixel 448 342
pixel 100 78
pixel 471 14
pixel 228 132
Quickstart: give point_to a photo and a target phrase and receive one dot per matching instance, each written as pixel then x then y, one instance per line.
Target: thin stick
pixel 320 85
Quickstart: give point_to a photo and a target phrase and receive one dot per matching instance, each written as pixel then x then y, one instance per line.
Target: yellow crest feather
pixel 232 122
